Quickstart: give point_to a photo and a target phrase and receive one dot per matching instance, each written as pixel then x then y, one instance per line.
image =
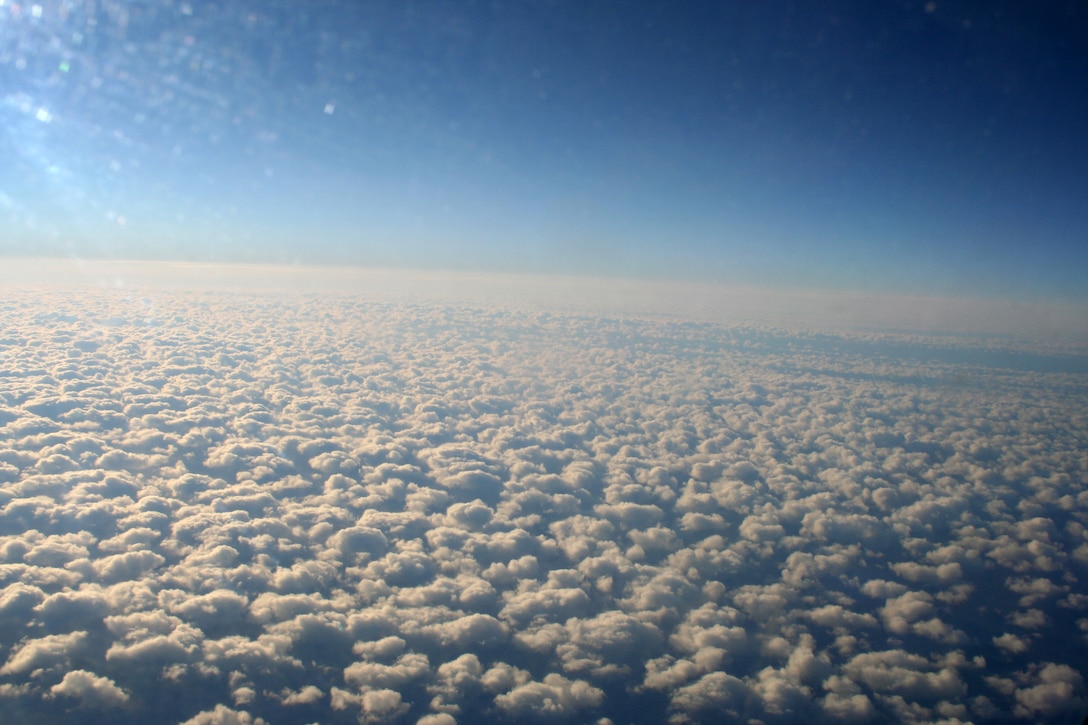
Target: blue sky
pixel 922 148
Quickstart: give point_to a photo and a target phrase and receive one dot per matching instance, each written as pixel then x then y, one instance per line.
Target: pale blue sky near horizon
pixel 918 148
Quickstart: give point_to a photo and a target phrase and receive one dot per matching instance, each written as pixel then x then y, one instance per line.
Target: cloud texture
pixel 246 508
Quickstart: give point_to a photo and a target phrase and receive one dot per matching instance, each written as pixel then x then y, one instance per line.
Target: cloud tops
pixel 243 507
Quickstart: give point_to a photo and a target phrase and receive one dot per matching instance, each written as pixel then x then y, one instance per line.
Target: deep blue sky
pixel 879 145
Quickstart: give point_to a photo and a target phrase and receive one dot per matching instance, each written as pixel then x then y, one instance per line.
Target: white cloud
pixel 375 675
pixel 554 604
pixel 471 630
pixel 454 681
pixel 323 507
pixel 441 718
pixel 223 715
pixel 53 650
pixel 554 697
pixel 308 695
pixel 713 695
pixel 1012 643
pixel 1054 690
pixel 897 672
pixel 90 689
pixel 127 566
pixel 381 706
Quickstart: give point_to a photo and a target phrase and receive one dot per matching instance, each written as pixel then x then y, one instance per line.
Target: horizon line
pixel 702 300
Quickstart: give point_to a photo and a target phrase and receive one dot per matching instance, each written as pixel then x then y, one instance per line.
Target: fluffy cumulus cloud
pixel 90 689
pixel 232 507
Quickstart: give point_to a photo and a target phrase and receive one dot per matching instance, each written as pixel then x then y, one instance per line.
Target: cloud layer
pixel 243 508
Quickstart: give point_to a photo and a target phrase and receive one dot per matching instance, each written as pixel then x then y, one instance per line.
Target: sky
pixel 922 148
pixel 256 507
